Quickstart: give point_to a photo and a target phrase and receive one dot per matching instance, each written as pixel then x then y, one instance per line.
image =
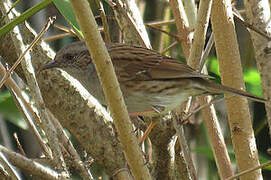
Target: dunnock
pixel 149 81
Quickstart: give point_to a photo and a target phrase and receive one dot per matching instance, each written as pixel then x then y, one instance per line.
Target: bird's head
pixel 70 57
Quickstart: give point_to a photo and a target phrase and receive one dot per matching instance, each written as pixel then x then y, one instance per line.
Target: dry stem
pixel 231 72
pixel 111 88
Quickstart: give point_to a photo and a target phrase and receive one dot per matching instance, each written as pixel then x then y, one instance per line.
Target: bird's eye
pixel 68 56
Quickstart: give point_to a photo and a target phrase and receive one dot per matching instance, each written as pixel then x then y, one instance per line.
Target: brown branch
pixel 19 144
pixel 238 17
pixel 231 73
pixel 46 123
pixel 258 14
pixel 103 17
pixel 30 166
pixel 214 131
pixel 182 26
pixel 10 170
pixel 111 88
pixel 185 41
pixel 130 25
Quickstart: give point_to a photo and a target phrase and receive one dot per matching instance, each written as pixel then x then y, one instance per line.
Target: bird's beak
pixel 48 66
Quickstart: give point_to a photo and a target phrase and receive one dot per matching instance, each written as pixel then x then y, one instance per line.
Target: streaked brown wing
pixel 133 62
pixel 173 69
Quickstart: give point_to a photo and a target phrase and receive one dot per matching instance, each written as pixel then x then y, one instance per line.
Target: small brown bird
pixel 149 81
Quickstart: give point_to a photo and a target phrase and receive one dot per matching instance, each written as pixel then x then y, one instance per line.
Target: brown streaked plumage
pixel 147 79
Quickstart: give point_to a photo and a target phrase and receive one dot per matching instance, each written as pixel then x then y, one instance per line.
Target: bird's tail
pixel 218 88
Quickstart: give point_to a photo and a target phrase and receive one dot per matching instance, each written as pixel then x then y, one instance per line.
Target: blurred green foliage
pixel 9 110
pixel 208 153
pixel 251 77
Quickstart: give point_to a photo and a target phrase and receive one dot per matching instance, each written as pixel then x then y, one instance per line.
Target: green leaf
pixel 251 77
pixel 253 82
pixel 213 65
pixel 65 8
pixel 25 15
pixel 208 153
pixel 10 112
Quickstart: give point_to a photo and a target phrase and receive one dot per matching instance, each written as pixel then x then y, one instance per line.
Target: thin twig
pixel 160 23
pixel 206 52
pixel 213 101
pixel 147 132
pixel 238 17
pixel 19 144
pixel 149 151
pixel 105 24
pixel 11 171
pixel 68 32
pixel 249 170
pixel 170 46
pixel 163 31
pixel 58 36
pixel 62 28
pixel 184 33
pixel 8 73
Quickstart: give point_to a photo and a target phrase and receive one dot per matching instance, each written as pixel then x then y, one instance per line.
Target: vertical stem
pixel 214 131
pixel 231 72
pixel 258 14
pixel 182 25
pixel 113 95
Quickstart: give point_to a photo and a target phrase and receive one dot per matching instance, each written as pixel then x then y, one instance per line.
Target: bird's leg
pixel 157 109
pixel 147 132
